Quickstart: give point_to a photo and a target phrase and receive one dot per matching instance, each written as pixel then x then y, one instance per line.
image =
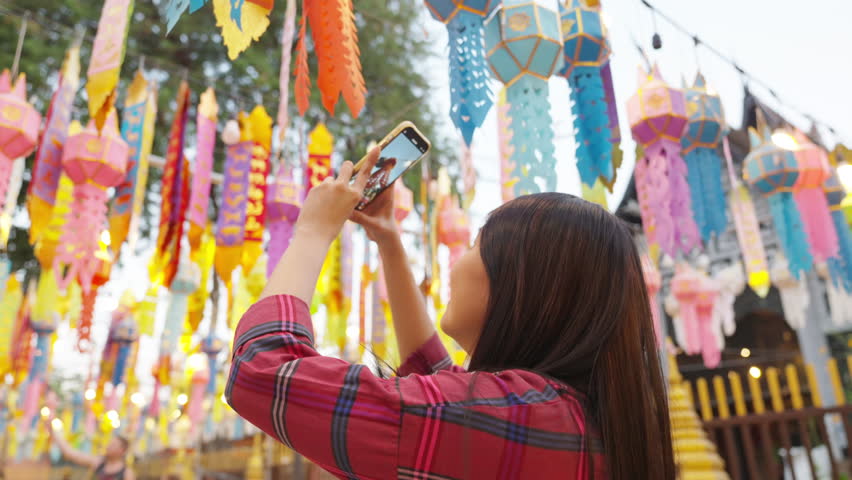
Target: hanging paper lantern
pixel 524 47
pixel 284 74
pixel 731 283
pixel 320 147
pixel 379 305
pixel 19 126
pixel 124 334
pixel 335 36
pixel 208 111
pixel 696 296
pixel 453 229
pixel 212 346
pixel 653 283
pixel 47 168
pixel 586 51
pixel 103 268
pixel 748 229
pixel 241 22
pixel 137 129
pixel 614 127
pixel 107 57
pixel 507 150
pixel 204 257
pixel 840 266
pixel 703 163
pixel 16 180
pixel 94 162
pixel 186 281
pixel 469 93
pixel 175 198
pixel 794 293
pixel 230 227
pixel 774 172
pixel 198 389
pixel 839 300
pixel 810 199
pixel 259 125
pixel 468 174
pixel 285 201
pixel 658 120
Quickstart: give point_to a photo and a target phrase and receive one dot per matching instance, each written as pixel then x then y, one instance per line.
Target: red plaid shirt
pixel 434 422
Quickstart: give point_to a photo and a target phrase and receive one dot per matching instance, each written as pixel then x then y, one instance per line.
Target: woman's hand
pixel 378 218
pixel 332 202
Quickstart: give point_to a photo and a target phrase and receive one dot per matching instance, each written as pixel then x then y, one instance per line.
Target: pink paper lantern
pixel 94 162
pixel 453 228
pixel 19 126
pixel 696 295
pixel 658 120
pixel 403 202
pixel 814 170
pixel 285 201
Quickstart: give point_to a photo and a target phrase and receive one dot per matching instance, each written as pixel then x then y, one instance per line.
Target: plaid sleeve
pixel 337 414
pixel 430 358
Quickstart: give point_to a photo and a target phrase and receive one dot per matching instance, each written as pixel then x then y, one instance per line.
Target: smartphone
pixel 401 149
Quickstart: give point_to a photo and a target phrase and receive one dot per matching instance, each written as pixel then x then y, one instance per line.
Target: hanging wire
pixel 747 76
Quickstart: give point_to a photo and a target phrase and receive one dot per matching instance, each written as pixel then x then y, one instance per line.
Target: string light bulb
pixel 755 372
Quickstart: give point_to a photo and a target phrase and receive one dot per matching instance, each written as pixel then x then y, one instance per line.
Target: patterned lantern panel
pixel 284 204
pixel 658 120
pixel 586 51
pixel 19 126
pixel 469 93
pixel 703 163
pixel 814 170
pixel 94 162
pixel 774 171
pixel 696 295
pixel 524 45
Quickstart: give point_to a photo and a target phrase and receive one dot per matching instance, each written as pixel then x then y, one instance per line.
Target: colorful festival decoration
pixel 289 33
pixel 204 257
pixel 335 38
pixel 242 22
pixel 840 266
pixel 810 199
pixel 586 51
pixel 47 168
pixel 703 163
pixel 285 201
pixel 175 197
pixel 839 300
pixel 794 293
pixel 19 126
pixel 469 94
pixel 208 111
pixel 731 283
pixel 16 180
pixel 748 229
pixel 524 46
pixel 102 263
pixel 259 125
pixel 320 146
pixel 653 283
pixel 504 133
pixel 94 162
pixel 185 283
pixel 230 227
pixel 137 129
pixel 453 228
pixel 773 171
pixel 658 120
pixel 107 57
pixel 9 305
pixel 696 295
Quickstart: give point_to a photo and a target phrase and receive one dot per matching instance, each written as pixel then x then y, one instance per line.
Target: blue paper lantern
pixel 586 52
pixel 840 266
pixel 703 162
pixel 524 45
pixel 773 171
pixel 470 96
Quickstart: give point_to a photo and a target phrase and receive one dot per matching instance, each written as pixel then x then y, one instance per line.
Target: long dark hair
pixel 568 301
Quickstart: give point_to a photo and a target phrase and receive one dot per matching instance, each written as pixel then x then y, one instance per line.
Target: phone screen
pixel 397 156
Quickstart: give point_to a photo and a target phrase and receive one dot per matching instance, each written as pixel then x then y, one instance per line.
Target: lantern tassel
pixel 591 125
pixel 818 223
pixel 704 175
pixel 791 233
pixel 79 241
pixel 841 267
pixel 120 364
pixel 469 93
pixel 686 235
pixel 652 186
pixel 532 139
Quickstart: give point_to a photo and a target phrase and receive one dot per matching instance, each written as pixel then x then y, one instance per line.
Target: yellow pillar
pixel 254 467
pixel 695 455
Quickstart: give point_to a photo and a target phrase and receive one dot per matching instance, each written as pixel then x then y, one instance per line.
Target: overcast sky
pixel 800 48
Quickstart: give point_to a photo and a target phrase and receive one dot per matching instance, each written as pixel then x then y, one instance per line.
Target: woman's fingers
pixel 367 169
pixel 345 172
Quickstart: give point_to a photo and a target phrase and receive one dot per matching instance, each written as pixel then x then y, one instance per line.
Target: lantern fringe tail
pixel 469 92
pixel 591 126
pixel 120 364
pixel 819 225
pixel 5 177
pixel 704 175
pixel 652 185
pixel 532 140
pixel 791 232
pixel 686 235
pixel 841 268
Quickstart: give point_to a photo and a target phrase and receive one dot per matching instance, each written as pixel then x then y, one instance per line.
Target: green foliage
pixel 392 44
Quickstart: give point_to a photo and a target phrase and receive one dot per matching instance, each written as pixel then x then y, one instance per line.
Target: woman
pixel 564 379
pixel 111 466
pixel 380 178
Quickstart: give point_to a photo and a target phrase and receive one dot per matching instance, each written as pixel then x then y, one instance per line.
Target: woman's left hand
pixel 330 203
